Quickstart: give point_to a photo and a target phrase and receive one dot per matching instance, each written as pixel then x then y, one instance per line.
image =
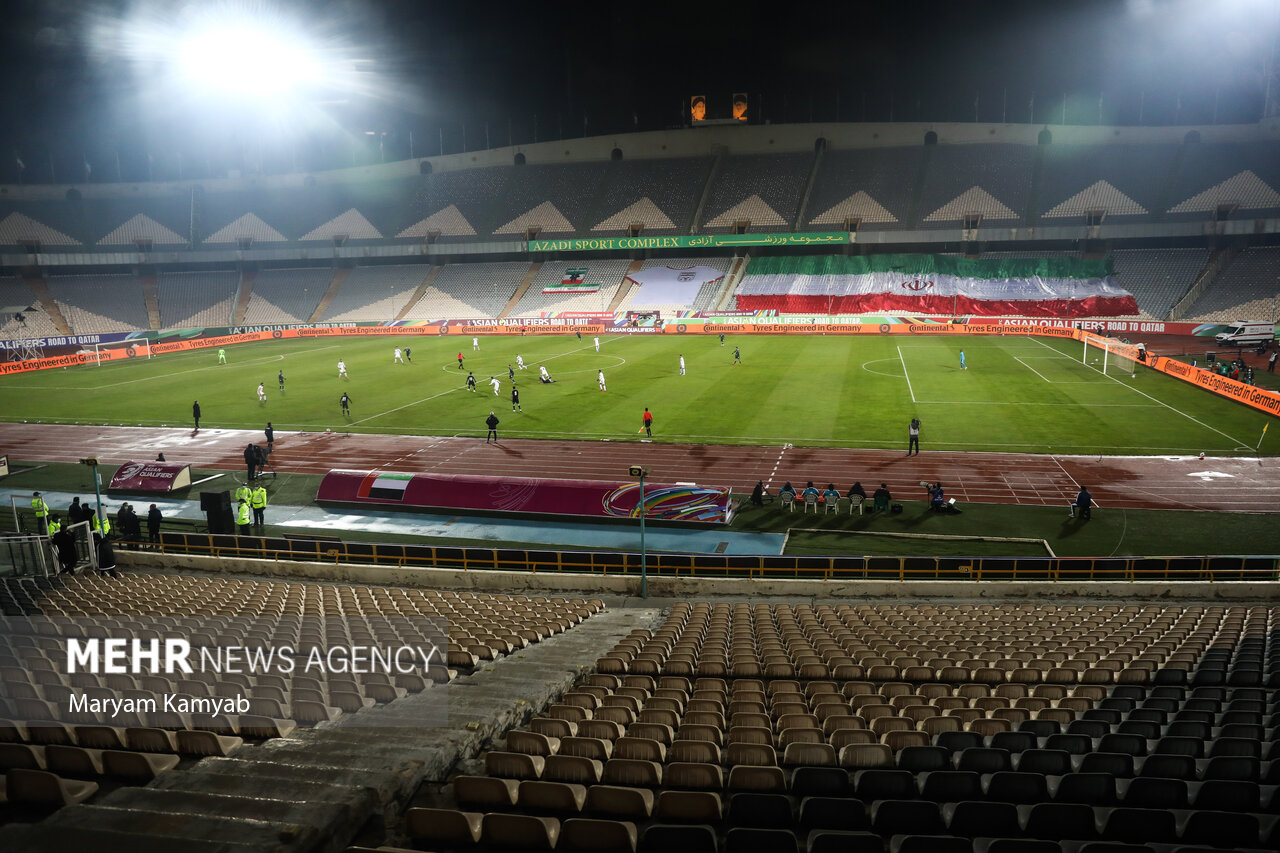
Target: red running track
pixel 1146 482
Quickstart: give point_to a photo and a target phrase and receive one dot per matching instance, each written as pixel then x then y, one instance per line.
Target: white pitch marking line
pixel 405 406
pixel 176 372
pixel 906 375
pixel 1032 369
pixel 1149 397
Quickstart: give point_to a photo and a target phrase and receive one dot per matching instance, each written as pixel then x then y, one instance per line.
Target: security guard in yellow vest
pixel 54 525
pixel 41 509
pixel 243 493
pixel 104 528
pixel 258 501
pixel 243 518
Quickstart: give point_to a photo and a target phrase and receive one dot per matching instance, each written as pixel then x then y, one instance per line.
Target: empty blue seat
pixel 1169 766
pixel 1139 826
pixel 922 759
pixel 663 838
pixel 1013 787
pixel 766 811
pixel 1050 762
pixel 827 841
pixel 820 782
pixel 1074 744
pixel 903 817
pixel 1228 795
pixel 1221 829
pixel 930 844
pixel 984 760
pixel 1112 763
pixel 1094 789
pixel 1012 741
pixel 838 813
pixel 1056 821
pixel 949 786
pixel 973 819
pixel 1149 793
pixel 744 840
pixel 884 784
pixel 957 741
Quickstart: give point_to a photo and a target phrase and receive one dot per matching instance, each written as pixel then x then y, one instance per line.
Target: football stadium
pixel 448 428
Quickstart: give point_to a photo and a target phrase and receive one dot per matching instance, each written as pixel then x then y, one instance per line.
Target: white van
pixel 1243 333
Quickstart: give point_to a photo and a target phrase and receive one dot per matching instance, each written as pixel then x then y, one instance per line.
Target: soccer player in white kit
pixel 520 362
pixel 262 393
pixel 342 370
pixel 682 364
pixel 475 343
pixel 399 358
pixel 600 379
pixel 496 383
pixel 542 369
pixel 597 340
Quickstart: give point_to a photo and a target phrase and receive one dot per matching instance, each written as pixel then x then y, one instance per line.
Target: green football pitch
pixel 1018 394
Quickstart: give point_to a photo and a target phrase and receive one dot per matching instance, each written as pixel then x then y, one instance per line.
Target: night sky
pixel 76 91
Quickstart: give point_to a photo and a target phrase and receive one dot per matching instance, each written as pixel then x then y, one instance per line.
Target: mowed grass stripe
pixel 797 389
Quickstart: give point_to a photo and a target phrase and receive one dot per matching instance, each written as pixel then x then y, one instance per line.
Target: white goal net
pixel 119 351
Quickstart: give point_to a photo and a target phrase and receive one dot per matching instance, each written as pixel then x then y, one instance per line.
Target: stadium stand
pixel 699 299
pixel 659 194
pixel 1120 180
pixel 872 185
pixel 375 293
pixel 893 727
pixel 95 304
pixel 287 296
pixel 608 274
pixel 469 291
pixel 458 205
pixel 36 324
pixel 553 198
pixel 56 744
pixel 196 299
pixel 761 189
pixel 1246 290
pixel 19 229
pixel 1158 277
pixel 1242 175
pixel 991 180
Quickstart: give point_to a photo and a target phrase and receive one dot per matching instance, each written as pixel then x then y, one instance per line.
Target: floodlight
pixel 245 59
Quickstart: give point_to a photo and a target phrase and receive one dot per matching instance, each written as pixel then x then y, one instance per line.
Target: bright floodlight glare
pixel 245 60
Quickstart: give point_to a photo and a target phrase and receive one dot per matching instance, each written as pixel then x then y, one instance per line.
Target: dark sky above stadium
pixel 444 69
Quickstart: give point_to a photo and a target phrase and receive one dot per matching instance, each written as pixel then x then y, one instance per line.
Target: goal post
pixel 103 353
pixel 1110 357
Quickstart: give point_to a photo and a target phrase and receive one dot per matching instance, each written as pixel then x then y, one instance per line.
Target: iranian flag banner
pixel 574 281
pixel 924 284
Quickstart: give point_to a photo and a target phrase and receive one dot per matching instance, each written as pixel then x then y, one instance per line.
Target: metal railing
pixel 1209 569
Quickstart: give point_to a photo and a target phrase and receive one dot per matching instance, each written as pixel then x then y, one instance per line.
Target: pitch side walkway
pixel 1241 484
pixel 603 537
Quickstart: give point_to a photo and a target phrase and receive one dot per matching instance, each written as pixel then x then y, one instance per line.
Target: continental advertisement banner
pixel 701 241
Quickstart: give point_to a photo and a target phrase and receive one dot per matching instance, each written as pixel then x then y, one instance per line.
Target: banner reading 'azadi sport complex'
pixel 701 241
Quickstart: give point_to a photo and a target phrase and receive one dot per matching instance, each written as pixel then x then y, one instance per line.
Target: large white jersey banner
pixel 673 285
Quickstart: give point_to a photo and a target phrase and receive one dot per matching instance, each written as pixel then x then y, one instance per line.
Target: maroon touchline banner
pixel 663 502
